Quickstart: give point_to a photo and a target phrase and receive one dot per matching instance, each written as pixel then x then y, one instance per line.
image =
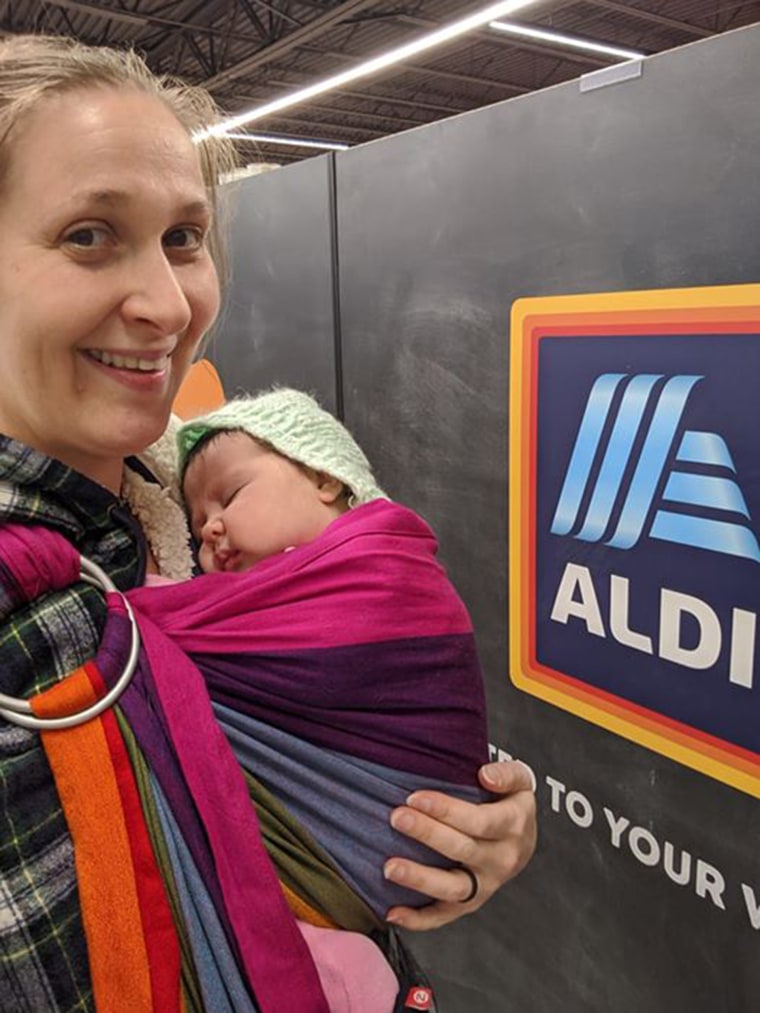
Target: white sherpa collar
pixel 157 506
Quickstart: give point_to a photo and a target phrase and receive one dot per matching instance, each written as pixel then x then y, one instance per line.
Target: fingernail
pixel 402 820
pixel 488 774
pixel 420 802
pixel 394 920
pixel 390 870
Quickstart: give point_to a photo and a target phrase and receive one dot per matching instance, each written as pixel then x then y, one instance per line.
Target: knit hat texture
pixel 295 425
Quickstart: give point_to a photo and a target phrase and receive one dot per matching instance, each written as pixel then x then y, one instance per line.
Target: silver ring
pixel 19 712
pixel 474 885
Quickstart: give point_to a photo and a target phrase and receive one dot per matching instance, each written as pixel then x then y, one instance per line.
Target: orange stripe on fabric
pixel 84 776
pixel 305 912
pixel 157 922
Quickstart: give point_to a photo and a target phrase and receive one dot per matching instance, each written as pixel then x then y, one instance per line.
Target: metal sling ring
pixel 19 712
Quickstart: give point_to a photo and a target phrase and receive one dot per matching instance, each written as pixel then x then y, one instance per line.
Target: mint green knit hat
pixel 294 424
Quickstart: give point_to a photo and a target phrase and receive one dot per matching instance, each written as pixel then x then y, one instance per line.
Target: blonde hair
pixel 33 67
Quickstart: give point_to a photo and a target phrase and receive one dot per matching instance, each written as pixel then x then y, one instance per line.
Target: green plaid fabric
pixel 43 955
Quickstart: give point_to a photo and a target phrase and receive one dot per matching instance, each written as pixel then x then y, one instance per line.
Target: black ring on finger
pixel 474 885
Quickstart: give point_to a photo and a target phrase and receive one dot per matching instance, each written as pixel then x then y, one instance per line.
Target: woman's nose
pixel 156 297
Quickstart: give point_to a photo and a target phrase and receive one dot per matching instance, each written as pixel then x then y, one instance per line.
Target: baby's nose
pixel 212 529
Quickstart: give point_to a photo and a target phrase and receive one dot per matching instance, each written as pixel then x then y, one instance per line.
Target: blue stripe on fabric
pixel 221 982
pixel 343 802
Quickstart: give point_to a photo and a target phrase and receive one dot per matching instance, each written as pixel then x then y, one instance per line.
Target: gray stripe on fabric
pixel 222 985
pixel 345 803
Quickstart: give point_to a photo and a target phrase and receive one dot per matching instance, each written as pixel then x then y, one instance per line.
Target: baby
pixel 262 475
pixel 340 661
pixel 362 682
pixel 324 622
pixel 247 500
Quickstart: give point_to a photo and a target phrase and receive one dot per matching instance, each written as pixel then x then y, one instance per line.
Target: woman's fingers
pixel 492 821
pixel 440 884
pixel 493 840
pixel 443 823
pixel 507 777
pixel 451 886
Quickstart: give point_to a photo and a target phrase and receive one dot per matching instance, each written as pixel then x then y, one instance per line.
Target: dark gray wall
pixel 278 323
pixel 644 184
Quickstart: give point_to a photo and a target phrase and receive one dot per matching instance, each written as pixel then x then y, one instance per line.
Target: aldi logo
pixel 698 493
pixel 634 518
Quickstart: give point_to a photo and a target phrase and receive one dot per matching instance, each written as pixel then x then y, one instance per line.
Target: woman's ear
pixel 329 489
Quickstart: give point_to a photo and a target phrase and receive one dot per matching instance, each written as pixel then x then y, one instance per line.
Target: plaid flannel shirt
pixel 43 954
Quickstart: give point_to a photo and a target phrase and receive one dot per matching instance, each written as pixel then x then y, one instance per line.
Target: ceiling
pixel 248 52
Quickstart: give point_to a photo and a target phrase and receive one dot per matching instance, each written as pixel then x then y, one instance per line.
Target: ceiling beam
pixel 106 14
pixel 514 41
pixel 366 96
pixel 204 62
pixel 144 20
pixel 253 17
pixel 415 68
pixel 321 129
pixel 232 11
pixel 450 75
pixel 161 43
pixel 283 15
pixel 358 114
pixel 651 17
pixel 289 42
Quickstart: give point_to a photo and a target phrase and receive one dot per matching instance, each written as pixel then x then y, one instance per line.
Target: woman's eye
pixel 88 237
pixel 188 237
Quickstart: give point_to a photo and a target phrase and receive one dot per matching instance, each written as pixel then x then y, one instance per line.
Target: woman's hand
pixel 495 840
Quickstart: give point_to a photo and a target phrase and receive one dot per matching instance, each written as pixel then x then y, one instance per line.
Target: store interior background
pixel 381 277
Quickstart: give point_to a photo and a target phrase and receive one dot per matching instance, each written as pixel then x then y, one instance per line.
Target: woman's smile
pixel 141 361
pixel 139 371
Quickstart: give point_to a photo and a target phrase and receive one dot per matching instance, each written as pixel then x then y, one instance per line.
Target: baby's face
pixel 246 502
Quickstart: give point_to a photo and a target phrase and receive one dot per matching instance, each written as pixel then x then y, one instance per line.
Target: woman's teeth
pixel 131 361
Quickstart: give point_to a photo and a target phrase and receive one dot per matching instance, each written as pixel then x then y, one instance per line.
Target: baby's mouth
pixel 226 559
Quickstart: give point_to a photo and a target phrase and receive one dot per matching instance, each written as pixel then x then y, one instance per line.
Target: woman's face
pixel 106 283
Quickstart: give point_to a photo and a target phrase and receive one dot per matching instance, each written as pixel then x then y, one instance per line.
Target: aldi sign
pixel 635 515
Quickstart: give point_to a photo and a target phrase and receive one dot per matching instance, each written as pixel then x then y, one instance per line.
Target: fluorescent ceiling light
pixel 296 142
pixel 377 63
pixel 514 28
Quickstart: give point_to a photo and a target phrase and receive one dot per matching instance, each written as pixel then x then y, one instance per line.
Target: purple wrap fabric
pixel 356 642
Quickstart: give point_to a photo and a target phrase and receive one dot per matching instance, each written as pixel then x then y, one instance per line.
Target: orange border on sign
pixel 732 309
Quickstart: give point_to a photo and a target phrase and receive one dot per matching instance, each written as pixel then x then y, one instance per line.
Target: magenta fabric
pixel 32 562
pixel 356 642
pixel 371 576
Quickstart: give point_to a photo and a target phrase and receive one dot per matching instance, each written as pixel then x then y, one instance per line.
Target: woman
pixel 107 287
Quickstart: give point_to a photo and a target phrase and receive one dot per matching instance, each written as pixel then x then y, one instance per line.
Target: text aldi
pixel 635 515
